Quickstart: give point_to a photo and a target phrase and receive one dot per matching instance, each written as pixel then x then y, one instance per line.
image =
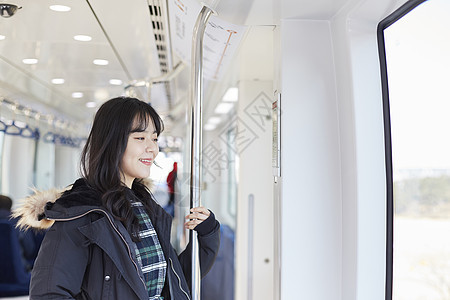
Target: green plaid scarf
pixel 149 253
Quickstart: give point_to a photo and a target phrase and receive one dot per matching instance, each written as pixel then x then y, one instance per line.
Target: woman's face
pixel 142 148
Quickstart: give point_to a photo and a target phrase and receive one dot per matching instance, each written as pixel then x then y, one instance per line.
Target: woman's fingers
pixel 197 215
pixel 201 210
pixel 192 224
pixel 200 213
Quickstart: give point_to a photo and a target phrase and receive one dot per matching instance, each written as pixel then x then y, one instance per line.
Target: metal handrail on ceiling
pixel 196 105
pixel 149 82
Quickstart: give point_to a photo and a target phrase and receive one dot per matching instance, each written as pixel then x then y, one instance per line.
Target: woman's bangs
pixel 142 119
pixel 140 122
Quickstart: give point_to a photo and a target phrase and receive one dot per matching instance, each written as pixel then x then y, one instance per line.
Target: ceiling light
pixel 214 120
pixel 2 37
pixel 82 38
pixel 77 95
pixel 91 104
pixel 62 8
pixel 30 61
pixel 100 62
pixel 115 81
pixel 231 95
pixel 58 80
pixel 223 107
pixel 209 127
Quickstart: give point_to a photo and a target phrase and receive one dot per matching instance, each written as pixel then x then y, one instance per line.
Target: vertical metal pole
pixel 196 136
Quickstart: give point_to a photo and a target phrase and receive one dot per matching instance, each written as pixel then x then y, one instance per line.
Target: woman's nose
pixel 151 147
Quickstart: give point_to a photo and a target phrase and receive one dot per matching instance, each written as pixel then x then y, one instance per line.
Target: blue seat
pixel 14 279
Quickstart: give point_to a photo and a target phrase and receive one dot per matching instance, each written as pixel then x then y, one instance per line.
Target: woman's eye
pixel 140 138
pixel 155 139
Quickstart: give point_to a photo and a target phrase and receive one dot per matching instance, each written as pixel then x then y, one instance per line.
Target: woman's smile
pixel 146 161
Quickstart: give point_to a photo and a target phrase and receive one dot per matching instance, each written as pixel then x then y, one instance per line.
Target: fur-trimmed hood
pixel 39 210
pixel 34 210
pixel 31 209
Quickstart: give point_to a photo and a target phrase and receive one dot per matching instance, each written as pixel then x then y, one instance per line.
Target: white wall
pixel 255 179
pixel 362 147
pixel 348 155
pixel 311 223
pixel 333 191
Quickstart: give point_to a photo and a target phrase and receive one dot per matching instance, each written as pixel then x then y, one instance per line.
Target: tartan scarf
pixel 149 253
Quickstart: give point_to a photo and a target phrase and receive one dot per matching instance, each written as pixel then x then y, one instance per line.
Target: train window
pixel 45 165
pixel 415 63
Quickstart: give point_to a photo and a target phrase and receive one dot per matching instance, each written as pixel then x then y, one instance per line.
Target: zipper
pixel 117 231
pixel 179 280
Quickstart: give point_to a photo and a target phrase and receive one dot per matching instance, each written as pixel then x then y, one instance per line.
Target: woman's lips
pixel 146 161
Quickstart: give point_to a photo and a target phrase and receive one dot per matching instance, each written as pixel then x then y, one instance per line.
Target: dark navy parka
pixel 88 254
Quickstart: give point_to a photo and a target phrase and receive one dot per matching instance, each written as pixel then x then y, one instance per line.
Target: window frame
pixel 385 23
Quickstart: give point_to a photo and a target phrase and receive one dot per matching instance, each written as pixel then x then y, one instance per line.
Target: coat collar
pixel 37 210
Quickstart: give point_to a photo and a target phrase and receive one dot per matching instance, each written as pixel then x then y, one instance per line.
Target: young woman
pixel 108 239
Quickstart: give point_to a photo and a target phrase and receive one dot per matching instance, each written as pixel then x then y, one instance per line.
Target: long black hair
pixel 102 155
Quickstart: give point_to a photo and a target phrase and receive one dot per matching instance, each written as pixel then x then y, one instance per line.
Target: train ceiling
pixel 66 62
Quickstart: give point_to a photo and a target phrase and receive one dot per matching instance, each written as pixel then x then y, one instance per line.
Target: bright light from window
pixel 20 124
pixel 100 62
pixel 2 37
pixel 30 61
pixel 231 95
pixel 61 8
pixel 58 80
pixel 77 95
pixel 82 38
pixel 417 55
